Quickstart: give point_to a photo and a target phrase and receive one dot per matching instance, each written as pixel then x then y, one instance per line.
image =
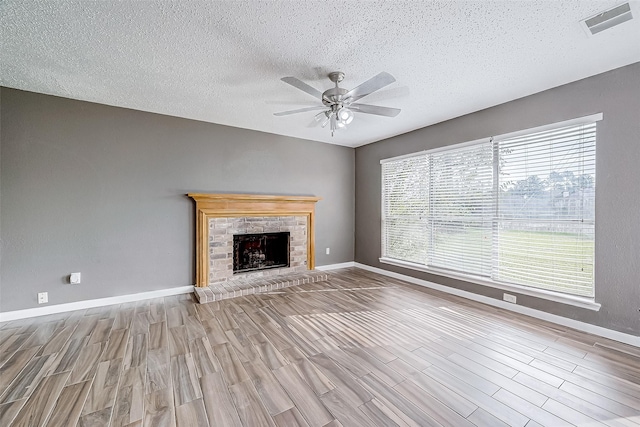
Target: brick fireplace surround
pixel 220 216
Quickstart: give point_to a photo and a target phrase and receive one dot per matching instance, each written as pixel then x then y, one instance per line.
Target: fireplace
pixel 252 252
pixel 221 216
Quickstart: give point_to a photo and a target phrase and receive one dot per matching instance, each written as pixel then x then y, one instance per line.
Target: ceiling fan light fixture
pixel 327 118
pixel 345 115
pixel 321 116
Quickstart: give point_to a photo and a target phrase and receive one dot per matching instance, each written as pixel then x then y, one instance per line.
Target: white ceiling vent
pixel 607 19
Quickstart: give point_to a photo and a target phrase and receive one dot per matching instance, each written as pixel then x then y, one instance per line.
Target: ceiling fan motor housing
pixel 333 96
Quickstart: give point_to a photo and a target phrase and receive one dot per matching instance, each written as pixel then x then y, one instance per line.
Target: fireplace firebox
pixel 252 252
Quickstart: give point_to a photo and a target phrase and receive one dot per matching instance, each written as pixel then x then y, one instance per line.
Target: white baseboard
pixel 559 320
pixel 336 266
pixel 575 324
pixel 80 305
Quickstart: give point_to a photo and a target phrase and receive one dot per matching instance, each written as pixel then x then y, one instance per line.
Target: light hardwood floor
pixel 358 350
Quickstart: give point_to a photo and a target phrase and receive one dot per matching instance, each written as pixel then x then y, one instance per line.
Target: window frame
pixel 579 301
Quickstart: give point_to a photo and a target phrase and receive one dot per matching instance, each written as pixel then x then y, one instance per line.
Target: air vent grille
pixel 608 19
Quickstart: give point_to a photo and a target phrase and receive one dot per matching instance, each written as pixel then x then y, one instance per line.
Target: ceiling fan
pixel 340 104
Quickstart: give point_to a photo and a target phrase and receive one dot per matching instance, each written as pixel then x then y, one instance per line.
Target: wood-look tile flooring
pixel 358 350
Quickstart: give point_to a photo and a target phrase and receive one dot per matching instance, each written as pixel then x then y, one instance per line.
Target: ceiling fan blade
pixel 300 110
pixel 375 109
pixel 387 93
pixel 373 84
pixel 303 86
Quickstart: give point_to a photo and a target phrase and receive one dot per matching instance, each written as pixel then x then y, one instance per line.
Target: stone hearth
pixel 241 287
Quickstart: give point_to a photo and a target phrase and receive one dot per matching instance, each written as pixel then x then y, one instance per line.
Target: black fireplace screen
pixel 253 252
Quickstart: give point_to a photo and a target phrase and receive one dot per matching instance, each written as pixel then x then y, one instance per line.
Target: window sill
pixel 576 301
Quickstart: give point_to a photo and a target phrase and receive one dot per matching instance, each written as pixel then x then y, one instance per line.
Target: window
pixel 514 210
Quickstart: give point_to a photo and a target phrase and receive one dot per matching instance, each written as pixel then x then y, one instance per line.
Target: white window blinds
pixel 406 199
pixel 517 210
pixel 460 209
pixel 546 206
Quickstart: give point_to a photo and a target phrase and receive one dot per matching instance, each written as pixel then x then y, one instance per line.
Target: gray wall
pixel 617 95
pixel 101 190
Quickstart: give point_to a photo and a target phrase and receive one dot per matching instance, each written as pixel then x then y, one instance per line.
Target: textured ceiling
pixel 221 61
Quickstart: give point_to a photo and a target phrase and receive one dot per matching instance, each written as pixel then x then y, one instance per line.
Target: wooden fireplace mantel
pixel 240 205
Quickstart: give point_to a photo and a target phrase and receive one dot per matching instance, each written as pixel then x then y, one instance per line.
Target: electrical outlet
pixel 43 297
pixel 74 278
pixel 328 251
pixel 509 298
